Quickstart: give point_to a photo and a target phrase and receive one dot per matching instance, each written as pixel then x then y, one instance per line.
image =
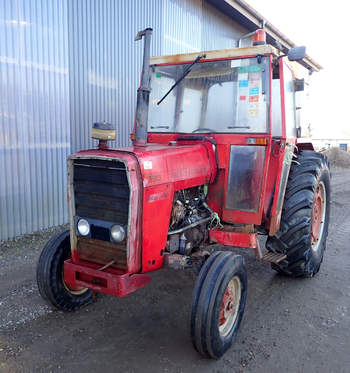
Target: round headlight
pixel 83 227
pixel 117 233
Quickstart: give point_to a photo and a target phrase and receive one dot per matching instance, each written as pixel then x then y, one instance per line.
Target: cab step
pixel 273 257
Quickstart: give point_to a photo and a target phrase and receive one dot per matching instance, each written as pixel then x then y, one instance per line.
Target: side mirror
pixel 296 53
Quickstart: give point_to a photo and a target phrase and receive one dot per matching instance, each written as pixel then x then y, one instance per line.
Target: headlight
pixel 117 233
pixel 83 227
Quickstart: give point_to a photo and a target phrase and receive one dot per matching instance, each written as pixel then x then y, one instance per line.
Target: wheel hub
pixel 318 216
pixel 78 290
pixel 229 306
pixel 75 290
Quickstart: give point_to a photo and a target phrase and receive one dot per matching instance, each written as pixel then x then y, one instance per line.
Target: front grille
pixel 101 195
pixel 99 233
pixel 101 252
pixel 101 190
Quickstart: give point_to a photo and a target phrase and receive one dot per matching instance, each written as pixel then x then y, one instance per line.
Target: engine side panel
pixel 157 205
pixel 166 170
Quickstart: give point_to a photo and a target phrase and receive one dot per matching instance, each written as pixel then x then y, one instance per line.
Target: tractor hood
pixel 186 165
pixel 153 173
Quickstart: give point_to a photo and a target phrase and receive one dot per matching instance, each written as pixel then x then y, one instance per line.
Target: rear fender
pixel 304 144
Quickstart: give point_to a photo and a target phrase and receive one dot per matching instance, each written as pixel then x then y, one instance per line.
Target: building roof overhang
pixel 248 17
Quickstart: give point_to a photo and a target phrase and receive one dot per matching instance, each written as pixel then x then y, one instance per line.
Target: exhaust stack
pixel 141 116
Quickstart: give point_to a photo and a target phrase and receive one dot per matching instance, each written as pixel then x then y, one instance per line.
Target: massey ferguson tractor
pixel 216 160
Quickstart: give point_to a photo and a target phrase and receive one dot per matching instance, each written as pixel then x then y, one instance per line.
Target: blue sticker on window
pixel 254 91
pixel 254 69
pixel 243 69
pixel 243 83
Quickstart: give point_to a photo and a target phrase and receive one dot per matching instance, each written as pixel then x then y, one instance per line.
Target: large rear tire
pixel 305 217
pixel 218 303
pixel 50 276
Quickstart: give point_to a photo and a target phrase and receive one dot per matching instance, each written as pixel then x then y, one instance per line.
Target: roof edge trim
pixel 253 16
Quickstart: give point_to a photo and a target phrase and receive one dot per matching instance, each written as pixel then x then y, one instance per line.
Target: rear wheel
pixel 218 303
pixel 305 217
pixel 50 276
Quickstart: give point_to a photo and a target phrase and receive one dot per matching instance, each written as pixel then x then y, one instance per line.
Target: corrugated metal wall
pixel 105 62
pixel 34 115
pixel 67 64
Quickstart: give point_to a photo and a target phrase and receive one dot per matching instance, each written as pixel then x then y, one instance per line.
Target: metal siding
pixel 34 118
pixel 67 64
pixel 218 30
pixel 105 63
pixel 182 26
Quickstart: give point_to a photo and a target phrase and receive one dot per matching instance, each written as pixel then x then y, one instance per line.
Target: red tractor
pixel 216 159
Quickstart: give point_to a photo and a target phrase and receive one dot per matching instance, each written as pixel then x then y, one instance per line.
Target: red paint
pixel 227 304
pixel 106 282
pixel 224 141
pixel 156 171
pixel 238 239
pixel 317 216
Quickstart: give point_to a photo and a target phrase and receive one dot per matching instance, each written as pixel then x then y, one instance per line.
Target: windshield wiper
pixel 154 127
pixel 247 127
pixel 187 71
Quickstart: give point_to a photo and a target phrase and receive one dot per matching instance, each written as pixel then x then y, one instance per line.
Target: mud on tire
pixel 308 176
pixel 49 276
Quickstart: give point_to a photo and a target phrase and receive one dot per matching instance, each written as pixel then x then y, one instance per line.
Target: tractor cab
pixel 232 97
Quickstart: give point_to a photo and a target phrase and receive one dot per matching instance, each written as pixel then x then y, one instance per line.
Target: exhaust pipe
pixel 141 116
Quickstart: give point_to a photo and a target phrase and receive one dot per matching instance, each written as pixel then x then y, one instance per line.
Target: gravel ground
pixel 338 157
pixel 290 325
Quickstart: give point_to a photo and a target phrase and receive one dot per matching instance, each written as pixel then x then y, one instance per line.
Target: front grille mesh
pixel 101 190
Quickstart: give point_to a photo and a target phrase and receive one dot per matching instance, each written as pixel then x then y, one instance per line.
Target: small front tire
pixel 219 299
pixel 50 276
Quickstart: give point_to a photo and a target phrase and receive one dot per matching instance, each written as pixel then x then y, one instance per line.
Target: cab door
pixel 247 154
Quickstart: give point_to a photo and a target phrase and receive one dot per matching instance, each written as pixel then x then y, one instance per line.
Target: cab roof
pixel 216 54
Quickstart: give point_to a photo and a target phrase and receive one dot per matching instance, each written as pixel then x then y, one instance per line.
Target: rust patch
pixel 101 252
pixel 158 196
pixel 153 178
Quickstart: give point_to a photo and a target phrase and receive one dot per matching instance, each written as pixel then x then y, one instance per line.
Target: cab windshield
pixel 220 96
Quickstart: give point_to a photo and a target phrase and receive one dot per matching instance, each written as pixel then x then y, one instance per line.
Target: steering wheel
pixel 205 129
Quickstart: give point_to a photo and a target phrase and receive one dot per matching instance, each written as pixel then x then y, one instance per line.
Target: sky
pixel 322 27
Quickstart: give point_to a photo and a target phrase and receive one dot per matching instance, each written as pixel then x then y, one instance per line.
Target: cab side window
pixel 289 100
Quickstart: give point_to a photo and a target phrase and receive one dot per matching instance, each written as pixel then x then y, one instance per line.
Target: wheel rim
pixel 318 216
pixel 229 306
pixel 78 290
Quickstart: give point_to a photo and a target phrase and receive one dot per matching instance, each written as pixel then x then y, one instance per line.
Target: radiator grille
pixel 101 190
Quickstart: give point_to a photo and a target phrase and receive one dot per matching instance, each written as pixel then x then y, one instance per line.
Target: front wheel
pixel 50 276
pixel 218 304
